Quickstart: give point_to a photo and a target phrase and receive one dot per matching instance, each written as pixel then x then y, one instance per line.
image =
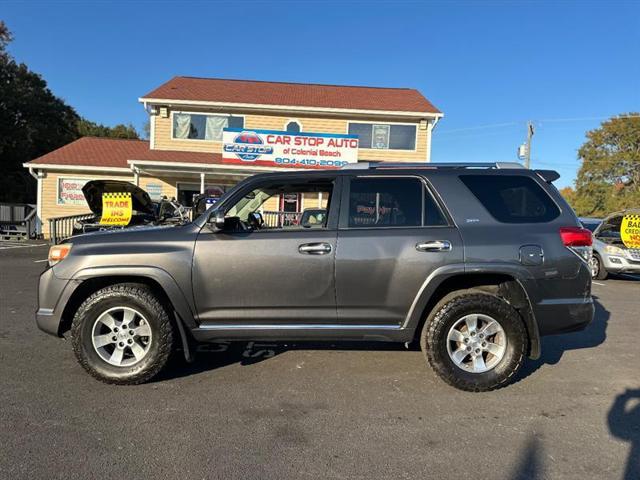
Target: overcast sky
pixel 489 66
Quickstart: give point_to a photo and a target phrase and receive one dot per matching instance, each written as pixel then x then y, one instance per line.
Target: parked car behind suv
pixel 475 262
pixel 610 255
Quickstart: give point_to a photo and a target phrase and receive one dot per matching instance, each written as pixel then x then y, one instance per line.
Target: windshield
pixel 609 232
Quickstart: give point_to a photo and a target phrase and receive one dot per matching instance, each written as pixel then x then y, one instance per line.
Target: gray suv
pixel 473 261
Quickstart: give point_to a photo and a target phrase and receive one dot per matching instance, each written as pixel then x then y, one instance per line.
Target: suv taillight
pixel 579 241
pixel 576 237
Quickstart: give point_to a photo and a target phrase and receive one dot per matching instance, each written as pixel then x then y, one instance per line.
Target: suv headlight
pixel 57 253
pixel 612 250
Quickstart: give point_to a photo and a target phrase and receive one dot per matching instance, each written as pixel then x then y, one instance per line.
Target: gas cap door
pixel 531 255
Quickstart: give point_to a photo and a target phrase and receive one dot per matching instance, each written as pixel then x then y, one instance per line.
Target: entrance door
pixel 255 274
pixel 392 235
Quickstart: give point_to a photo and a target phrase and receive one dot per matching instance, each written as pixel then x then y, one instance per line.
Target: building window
pixel 203 127
pixel 384 136
pixel 293 127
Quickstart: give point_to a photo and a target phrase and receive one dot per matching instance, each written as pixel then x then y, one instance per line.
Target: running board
pixel 300 332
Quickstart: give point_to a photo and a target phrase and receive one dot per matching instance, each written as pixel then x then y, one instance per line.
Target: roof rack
pixel 429 165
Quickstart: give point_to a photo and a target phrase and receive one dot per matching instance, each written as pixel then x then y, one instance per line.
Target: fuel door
pixel 531 255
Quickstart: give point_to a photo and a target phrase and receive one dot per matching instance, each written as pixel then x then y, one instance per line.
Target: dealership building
pixel 207 134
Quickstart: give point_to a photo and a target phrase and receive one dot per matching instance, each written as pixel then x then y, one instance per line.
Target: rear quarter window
pixel 512 198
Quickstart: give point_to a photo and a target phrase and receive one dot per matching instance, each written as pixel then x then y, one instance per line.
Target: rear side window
pixel 391 202
pixel 512 198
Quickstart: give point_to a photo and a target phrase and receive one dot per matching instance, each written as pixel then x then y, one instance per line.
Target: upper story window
pixel 385 136
pixel 198 126
pixel 293 127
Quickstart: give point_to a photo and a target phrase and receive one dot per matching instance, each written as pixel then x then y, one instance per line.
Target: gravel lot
pixel 259 411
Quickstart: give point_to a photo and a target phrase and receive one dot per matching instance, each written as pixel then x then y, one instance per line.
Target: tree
pixel 5 37
pixel 87 128
pixel 609 178
pixel 33 122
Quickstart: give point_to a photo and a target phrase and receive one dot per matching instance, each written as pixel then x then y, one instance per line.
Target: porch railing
pixel 61 228
pixel 18 220
pixel 279 219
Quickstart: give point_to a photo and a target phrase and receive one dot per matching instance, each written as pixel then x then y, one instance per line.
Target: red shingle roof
pixel 112 152
pixel 293 94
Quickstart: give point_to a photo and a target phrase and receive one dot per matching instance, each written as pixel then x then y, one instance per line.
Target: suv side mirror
pixel 216 220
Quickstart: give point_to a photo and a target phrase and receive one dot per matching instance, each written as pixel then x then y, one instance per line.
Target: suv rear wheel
pixel 122 334
pixel 474 341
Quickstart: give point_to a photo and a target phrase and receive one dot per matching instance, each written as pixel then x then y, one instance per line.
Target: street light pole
pixel 530 131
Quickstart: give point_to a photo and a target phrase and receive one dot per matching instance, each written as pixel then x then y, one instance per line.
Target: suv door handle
pixel 434 246
pixel 315 248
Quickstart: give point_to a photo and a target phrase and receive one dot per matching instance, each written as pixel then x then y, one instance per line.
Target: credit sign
pixel 274 148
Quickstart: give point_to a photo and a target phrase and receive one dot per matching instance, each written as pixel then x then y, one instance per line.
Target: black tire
pixel 446 313
pixel 601 273
pixel 140 298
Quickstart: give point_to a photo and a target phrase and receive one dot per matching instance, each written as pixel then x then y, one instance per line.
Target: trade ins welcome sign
pixel 273 148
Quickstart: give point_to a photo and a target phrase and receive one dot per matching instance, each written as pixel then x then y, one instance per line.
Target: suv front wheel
pixel 474 341
pixel 122 334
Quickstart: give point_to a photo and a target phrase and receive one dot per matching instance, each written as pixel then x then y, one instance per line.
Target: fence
pixel 281 219
pixel 18 220
pixel 61 228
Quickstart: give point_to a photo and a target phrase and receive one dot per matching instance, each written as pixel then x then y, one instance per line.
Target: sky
pixel 489 66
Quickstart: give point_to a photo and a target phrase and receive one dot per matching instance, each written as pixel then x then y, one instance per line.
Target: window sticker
pixel 630 231
pixel 116 209
pixel 380 136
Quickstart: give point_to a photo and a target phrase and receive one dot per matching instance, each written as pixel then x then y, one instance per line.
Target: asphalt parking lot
pixel 259 411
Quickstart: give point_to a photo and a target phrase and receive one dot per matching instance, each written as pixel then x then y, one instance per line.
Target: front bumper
pixel 53 295
pixel 620 264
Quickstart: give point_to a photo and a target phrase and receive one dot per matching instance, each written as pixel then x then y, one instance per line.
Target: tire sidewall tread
pixel 453 307
pixel 136 296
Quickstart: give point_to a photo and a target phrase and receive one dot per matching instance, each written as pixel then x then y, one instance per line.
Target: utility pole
pixel 527 158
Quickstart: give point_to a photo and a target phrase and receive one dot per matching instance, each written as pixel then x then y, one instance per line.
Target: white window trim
pixel 244 118
pixel 415 139
pixel 292 120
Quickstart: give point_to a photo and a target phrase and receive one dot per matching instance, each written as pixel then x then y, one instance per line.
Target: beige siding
pixel 164 140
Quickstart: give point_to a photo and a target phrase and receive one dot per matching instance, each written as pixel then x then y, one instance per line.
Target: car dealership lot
pixel 256 410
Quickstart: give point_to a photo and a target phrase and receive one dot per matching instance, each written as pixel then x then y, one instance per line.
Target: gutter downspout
pixel 431 124
pixel 38 176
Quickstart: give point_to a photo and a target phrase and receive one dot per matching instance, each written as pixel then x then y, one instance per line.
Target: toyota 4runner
pixel 474 261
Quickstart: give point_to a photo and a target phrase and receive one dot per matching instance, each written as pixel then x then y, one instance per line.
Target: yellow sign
pixel 630 231
pixel 116 209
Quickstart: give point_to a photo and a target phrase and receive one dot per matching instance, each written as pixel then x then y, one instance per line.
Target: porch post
pixel 202 183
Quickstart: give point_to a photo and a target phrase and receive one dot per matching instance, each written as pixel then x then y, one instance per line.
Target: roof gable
pixel 292 94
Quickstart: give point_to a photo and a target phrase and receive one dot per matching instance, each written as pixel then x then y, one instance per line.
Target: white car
pixel 609 253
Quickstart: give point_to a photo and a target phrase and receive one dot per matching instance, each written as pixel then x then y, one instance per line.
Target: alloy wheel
pixel 476 343
pixel 121 336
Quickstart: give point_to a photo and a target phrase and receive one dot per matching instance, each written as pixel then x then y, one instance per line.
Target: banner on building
pixel 273 148
pixel 70 191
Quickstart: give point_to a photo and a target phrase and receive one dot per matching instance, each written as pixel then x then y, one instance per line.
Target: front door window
pixel 278 205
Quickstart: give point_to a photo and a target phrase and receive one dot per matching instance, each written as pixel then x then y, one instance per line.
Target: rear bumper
pixel 564 315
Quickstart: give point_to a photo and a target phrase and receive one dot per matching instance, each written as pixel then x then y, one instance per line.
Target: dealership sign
pixel 273 148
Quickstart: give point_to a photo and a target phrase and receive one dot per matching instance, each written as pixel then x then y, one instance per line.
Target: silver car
pixel 609 253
